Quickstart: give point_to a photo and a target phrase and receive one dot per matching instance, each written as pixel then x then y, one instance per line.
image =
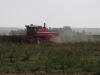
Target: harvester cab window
pixel 31 30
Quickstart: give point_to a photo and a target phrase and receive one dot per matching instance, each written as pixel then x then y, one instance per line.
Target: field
pixel 50 58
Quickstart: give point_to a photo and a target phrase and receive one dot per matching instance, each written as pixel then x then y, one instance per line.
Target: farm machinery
pixel 32 34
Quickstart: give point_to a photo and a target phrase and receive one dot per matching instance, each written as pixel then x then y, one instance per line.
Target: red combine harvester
pixel 39 33
pixel 34 33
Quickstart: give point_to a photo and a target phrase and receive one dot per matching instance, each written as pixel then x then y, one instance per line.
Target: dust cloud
pixel 66 35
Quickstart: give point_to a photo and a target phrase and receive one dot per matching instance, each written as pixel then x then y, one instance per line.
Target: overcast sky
pixel 56 13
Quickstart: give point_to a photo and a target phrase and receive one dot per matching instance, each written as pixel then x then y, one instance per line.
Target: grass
pixel 50 57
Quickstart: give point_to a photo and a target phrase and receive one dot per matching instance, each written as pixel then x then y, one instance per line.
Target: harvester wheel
pixel 39 41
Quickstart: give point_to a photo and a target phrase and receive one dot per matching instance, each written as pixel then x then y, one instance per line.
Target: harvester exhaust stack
pixel 44 25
